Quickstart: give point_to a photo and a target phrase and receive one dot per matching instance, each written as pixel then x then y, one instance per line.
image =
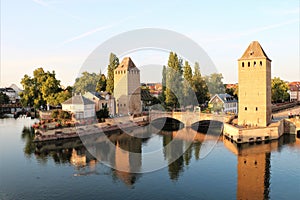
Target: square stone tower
pixel 254 71
pixel 127 88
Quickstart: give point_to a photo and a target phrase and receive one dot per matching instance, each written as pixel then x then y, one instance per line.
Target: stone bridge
pixel 189 118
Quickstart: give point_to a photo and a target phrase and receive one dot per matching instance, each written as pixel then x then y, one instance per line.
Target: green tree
pixel 232 91
pixel 86 83
pixel 162 96
pixel 199 85
pixel 4 99
pixel 279 90
pixel 215 84
pixel 102 113
pixel 39 90
pixel 101 85
pixel 174 81
pixel 187 84
pixel 113 64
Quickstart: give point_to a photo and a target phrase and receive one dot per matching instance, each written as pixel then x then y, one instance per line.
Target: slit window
pixel 254 64
pixel 245 108
pixel 260 63
pixel 256 108
pixel 248 64
pixel 243 64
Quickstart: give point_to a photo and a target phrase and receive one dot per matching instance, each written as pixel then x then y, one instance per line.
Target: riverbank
pixel 85 130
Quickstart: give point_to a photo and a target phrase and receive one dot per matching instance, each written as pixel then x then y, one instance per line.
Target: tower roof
pixel 253 51
pixel 126 64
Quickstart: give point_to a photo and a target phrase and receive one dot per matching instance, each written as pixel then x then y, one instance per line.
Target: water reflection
pixel 253 166
pixel 253 161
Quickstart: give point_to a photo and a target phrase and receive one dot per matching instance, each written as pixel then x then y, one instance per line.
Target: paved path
pixel 285 113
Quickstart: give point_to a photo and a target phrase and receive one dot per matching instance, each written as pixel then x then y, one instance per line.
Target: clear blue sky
pixel 59 35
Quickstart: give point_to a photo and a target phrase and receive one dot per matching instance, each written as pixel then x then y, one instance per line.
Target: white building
pixel 227 103
pixel 80 106
pixel 294 91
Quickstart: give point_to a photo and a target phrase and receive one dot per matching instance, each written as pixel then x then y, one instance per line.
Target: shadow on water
pixel 167 124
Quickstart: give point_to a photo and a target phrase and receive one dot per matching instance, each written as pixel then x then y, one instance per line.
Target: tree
pixel 86 83
pixel 232 91
pixel 215 84
pixel 113 64
pixel 162 96
pixel 187 84
pixel 199 85
pixel 174 81
pixel 101 85
pixel 102 113
pixel 279 90
pixel 4 99
pixel 39 90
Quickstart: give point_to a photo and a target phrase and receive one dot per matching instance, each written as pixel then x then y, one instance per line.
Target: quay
pixel 85 130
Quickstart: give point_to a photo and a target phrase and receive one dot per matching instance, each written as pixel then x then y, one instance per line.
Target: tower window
pixel 256 108
pixel 245 108
pixel 248 64
pixel 243 65
pixel 260 63
pixel 254 64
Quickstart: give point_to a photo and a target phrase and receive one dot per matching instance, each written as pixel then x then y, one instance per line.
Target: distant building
pixel 11 93
pixel 254 71
pixel 294 91
pixel 80 106
pixel 102 99
pixel 227 103
pixel 127 89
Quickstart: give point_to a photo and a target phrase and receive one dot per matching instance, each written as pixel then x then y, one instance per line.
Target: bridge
pixel 189 118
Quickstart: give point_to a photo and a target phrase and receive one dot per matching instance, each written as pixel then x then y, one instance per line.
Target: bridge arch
pixel 167 123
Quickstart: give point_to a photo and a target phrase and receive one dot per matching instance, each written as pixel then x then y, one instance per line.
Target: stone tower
pixel 127 91
pixel 254 71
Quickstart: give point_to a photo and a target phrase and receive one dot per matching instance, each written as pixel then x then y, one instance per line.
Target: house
pixel 11 93
pixel 294 91
pixel 102 99
pixel 80 106
pixel 224 103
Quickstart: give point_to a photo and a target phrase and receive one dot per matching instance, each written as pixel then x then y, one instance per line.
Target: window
pixel 254 64
pixel 245 108
pixel 256 108
pixel 243 64
pixel 248 64
pixel 260 63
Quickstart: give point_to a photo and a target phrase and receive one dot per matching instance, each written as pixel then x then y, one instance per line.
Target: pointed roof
pixel 253 51
pixel 78 99
pixel 126 64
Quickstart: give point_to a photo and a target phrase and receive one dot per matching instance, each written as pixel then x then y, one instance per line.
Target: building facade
pixel 102 99
pixel 80 107
pixel 127 89
pixel 226 102
pixel 294 91
pixel 254 72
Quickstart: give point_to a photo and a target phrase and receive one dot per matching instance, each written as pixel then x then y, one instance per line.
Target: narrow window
pixel 254 64
pixel 256 108
pixel 245 108
pixel 248 64
pixel 124 104
pixel 260 63
pixel 243 65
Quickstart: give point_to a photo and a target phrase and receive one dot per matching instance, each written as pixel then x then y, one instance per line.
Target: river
pixel 164 165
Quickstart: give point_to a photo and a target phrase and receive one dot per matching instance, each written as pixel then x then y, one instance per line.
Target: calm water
pixel 68 171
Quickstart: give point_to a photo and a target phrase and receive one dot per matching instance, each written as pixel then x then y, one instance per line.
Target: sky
pixel 59 35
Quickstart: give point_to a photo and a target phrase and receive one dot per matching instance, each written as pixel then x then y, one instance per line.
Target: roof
pixel 225 98
pixel 253 51
pixel 78 99
pixel 145 95
pixel 126 64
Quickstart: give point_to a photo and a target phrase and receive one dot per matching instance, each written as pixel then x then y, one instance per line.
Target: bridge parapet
pixel 189 118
